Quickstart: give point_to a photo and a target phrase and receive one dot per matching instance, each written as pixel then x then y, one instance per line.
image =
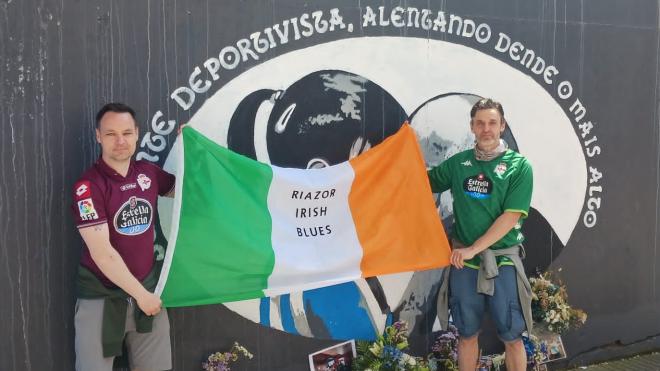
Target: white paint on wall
pixel 413 70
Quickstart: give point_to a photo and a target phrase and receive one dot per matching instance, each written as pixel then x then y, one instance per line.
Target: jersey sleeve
pixel 440 177
pixel 165 181
pixel 88 206
pixel 519 195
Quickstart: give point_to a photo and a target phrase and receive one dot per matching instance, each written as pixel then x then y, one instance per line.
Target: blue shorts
pixel 468 307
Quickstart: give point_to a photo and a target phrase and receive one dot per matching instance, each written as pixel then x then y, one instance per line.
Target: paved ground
pixel 647 362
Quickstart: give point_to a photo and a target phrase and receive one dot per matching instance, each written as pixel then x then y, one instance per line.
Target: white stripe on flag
pixel 177 151
pixel 314 238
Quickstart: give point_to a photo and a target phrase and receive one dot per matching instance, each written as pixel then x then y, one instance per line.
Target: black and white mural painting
pixel 311 116
pixel 312 84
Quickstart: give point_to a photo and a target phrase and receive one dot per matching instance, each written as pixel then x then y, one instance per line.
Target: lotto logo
pixel 82 190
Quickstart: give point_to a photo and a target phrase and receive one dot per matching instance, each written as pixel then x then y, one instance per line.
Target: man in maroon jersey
pixel 114 205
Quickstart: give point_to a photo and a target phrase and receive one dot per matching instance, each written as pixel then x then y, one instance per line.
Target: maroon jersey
pixel 128 205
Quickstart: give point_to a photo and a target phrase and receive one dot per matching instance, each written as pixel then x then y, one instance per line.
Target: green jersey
pixel 482 191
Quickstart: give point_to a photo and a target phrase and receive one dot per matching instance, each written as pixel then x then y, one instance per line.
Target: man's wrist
pixel 142 294
pixel 474 249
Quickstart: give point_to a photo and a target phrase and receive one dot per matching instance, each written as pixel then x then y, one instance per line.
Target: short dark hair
pixel 114 107
pixel 487 103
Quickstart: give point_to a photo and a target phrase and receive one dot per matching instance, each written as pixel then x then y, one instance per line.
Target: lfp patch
pixel 86 209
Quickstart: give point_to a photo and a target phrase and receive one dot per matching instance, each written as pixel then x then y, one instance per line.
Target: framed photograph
pixel 338 357
pixel 553 346
pixel 485 363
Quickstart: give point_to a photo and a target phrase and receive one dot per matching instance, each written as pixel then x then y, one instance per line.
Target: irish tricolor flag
pixel 243 229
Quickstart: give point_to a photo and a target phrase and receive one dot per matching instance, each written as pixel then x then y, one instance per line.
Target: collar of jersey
pixel 110 172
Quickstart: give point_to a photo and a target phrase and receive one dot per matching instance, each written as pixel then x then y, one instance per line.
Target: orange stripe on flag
pixel 393 209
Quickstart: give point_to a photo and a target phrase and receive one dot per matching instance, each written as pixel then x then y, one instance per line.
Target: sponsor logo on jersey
pixel 86 209
pixel 83 190
pixel 128 186
pixel 144 182
pixel 133 217
pixel 479 186
pixel 466 163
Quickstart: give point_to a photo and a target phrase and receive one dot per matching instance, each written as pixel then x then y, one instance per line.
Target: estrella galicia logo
pixel 133 217
pixel 479 186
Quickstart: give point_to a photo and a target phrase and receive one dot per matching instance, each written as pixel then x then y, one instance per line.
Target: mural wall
pixel 311 84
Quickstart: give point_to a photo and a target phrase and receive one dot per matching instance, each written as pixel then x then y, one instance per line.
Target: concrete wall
pixel 579 84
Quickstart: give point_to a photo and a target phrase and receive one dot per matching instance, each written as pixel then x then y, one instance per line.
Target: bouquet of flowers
pixel 387 352
pixel 444 354
pixel 219 361
pixel 550 307
pixel 534 349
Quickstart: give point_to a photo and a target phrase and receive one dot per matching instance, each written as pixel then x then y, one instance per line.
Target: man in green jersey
pixel 492 188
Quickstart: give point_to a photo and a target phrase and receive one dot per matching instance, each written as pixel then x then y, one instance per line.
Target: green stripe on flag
pixel 223 207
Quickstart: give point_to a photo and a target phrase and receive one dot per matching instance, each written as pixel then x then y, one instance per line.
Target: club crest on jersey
pixel 144 182
pixel 478 186
pixel 500 169
pixel 133 217
pixel 83 190
pixel 86 209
